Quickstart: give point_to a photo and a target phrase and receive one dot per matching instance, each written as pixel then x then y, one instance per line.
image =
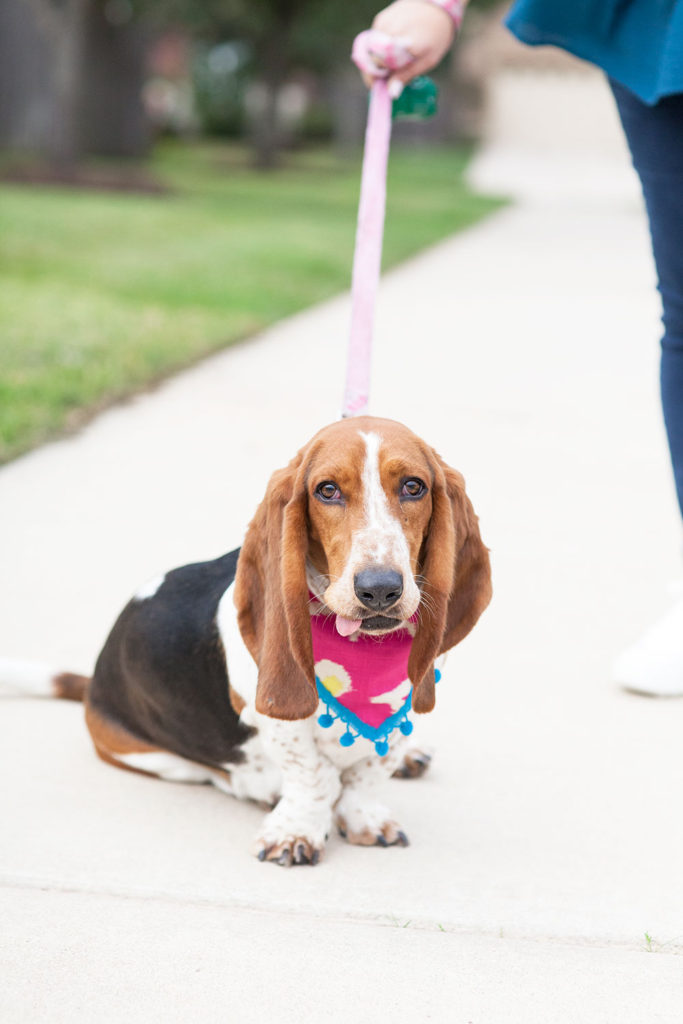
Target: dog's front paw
pixel 415 763
pixel 287 838
pixel 366 822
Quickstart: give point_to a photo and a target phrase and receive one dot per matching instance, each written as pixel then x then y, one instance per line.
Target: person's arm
pixel 425 27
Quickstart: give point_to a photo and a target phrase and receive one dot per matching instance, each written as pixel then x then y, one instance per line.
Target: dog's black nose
pixel 378 589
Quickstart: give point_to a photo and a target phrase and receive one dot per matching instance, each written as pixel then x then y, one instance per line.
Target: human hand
pixel 408 38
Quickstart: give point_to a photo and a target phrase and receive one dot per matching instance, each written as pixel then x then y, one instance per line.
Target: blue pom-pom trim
pixel 334 710
pixel 355 727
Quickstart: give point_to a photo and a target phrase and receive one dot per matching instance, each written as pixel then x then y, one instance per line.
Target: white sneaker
pixel 653 666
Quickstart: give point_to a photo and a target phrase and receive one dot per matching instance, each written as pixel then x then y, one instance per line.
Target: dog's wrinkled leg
pixel 296 830
pixel 360 816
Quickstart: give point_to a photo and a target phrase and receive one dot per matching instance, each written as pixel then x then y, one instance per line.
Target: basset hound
pixel 213 672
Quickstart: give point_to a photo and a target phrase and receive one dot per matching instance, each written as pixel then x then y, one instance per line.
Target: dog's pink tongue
pixel 345 627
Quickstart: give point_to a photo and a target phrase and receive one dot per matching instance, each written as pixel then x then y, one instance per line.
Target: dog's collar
pixel 363 682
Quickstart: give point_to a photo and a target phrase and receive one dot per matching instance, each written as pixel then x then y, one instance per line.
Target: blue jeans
pixel 655 138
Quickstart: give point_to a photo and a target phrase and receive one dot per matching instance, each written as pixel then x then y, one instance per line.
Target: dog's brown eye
pixel 412 488
pixel 328 491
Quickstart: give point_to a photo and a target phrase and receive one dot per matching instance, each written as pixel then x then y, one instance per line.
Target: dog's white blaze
pixel 382 540
pixel 382 529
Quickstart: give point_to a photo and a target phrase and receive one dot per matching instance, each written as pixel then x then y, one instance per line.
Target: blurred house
pixel 167 94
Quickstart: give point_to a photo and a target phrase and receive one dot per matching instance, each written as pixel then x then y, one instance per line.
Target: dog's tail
pixel 32 679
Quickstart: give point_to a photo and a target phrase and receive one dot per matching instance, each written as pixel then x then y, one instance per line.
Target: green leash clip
pixel 418 99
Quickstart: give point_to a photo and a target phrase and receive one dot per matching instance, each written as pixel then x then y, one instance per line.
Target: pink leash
pixel 367 257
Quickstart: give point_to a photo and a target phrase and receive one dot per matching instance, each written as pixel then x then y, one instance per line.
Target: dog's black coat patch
pixel 162 674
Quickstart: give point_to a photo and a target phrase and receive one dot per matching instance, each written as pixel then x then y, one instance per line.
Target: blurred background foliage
pixel 167 243
pixel 105 77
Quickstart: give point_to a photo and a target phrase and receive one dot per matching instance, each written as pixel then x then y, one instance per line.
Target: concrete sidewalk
pixel 543 879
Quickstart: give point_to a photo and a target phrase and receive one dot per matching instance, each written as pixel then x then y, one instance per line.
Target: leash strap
pixel 367 257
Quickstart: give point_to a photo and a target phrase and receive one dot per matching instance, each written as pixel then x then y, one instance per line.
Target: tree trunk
pixel 25 77
pixel 113 118
pixel 64 144
pixel 76 81
pixel 274 59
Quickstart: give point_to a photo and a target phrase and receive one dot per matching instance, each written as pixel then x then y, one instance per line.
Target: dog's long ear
pixel 271 596
pixel 457 580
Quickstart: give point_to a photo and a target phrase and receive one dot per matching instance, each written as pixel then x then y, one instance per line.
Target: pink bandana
pixel 363 681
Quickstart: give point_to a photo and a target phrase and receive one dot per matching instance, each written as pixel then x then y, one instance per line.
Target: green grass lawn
pixel 103 293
